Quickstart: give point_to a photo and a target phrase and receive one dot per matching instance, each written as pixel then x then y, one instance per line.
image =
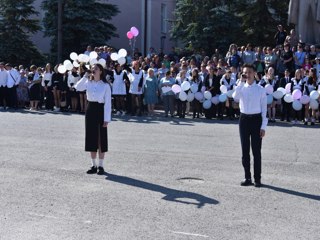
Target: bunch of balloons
pixel 120 56
pixel 132 35
pixel 81 58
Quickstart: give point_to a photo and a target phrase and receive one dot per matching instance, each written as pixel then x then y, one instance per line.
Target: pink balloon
pixel 296 94
pixel 134 31
pixel 129 35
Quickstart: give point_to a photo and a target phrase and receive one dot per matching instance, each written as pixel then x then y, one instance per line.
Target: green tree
pixel 260 18
pixel 204 24
pixel 84 22
pixel 16 26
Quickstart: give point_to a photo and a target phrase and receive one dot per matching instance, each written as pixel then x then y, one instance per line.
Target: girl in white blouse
pixel 98 115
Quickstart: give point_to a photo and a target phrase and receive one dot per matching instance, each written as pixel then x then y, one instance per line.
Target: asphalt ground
pixel 166 179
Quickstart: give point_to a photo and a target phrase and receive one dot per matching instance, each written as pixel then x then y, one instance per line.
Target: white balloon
pixel 185 86
pixel 122 60
pixel 81 57
pixel 288 87
pixel 73 56
pixel 183 96
pixel 215 100
pixel 314 94
pixel 86 58
pixel 288 98
pixel 114 56
pixel 69 66
pixel 269 89
pixel 190 97
pixel 281 89
pixel 314 104
pixel 62 69
pixel 297 105
pixel 194 88
pixel 223 89
pixel 93 55
pixel 66 62
pixel 207 104
pixel 198 96
pixel 207 95
pixel 223 97
pixel 278 94
pixel 305 99
pixel 76 64
pixel 122 52
pixel 229 93
pixel 93 61
pixel 102 62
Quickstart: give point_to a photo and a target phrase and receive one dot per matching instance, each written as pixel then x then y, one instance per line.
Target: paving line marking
pixel 190 234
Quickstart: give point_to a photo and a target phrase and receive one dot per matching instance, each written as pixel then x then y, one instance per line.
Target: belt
pixel 251 115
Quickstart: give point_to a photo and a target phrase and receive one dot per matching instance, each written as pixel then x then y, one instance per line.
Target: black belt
pixel 251 115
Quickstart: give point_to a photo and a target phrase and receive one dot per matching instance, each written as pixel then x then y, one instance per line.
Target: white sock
pixel 93 161
pixel 100 162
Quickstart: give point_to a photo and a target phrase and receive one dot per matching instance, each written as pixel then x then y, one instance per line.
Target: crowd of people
pixel 144 83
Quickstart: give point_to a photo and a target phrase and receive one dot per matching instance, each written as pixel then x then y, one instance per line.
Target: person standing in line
pixel 98 115
pixel 3 86
pixel 46 84
pixel 253 122
pixel 167 95
pixel 12 83
pixel 151 91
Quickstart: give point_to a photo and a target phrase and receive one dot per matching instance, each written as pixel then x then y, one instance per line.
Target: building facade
pixel 153 19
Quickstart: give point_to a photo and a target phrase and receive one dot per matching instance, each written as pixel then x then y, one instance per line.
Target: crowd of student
pixel 144 83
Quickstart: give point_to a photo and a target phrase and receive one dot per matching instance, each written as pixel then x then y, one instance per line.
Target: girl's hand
pixel 105 124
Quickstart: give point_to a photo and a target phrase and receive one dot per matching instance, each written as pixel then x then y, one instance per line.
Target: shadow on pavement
pixel 170 194
pixel 292 192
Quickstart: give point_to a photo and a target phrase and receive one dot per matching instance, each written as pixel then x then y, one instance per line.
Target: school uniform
pixel 48 96
pixel 73 78
pixel 98 111
pixel 3 87
pixel 253 109
pixel 229 83
pixel 34 87
pixel 297 84
pixel 286 107
pixel 12 83
pixel 181 105
pixel 196 104
pixel 119 85
pixel 136 90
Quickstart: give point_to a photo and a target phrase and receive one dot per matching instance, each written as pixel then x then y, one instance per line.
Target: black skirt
pixel 35 92
pixel 96 134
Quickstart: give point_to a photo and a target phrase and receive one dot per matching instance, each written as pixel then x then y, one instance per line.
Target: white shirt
pixel 72 79
pixel 253 100
pixel 13 78
pixel 134 82
pixel 97 91
pixel 3 78
pixel 46 76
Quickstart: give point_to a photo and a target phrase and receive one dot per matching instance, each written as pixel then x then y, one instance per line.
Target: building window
pixel 163 18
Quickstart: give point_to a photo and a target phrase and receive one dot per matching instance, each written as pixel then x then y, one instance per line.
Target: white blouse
pixel 97 91
pixel 46 76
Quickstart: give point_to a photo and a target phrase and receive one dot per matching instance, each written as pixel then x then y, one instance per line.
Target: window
pixel 163 18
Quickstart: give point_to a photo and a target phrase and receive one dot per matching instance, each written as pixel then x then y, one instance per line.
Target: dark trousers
pixel 181 108
pixel 249 126
pixel 286 110
pixel 3 93
pixel 12 100
pixel 168 103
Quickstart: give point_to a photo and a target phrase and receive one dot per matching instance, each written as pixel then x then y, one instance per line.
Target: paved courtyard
pixel 167 179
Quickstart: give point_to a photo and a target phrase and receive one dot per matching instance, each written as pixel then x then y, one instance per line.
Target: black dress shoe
pixel 257 184
pixel 246 182
pixel 100 171
pixel 92 170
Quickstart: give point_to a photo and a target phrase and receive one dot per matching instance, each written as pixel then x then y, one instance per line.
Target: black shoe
pixel 246 182
pixel 100 171
pixel 257 184
pixel 305 123
pixel 92 170
pixel 312 123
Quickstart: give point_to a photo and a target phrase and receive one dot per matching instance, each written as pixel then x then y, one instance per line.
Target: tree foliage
pixel 16 26
pixel 84 22
pixel 207 24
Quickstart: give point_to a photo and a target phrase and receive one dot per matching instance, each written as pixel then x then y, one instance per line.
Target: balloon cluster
pixel 205 97
pixel 120 57
pixel 81 58
pixel 132 35
pixel 296 97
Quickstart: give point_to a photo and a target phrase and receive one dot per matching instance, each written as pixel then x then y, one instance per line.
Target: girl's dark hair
pixel 103 74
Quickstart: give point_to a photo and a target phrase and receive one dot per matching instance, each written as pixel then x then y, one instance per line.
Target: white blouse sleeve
pixel 107 104
pixel 82 84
